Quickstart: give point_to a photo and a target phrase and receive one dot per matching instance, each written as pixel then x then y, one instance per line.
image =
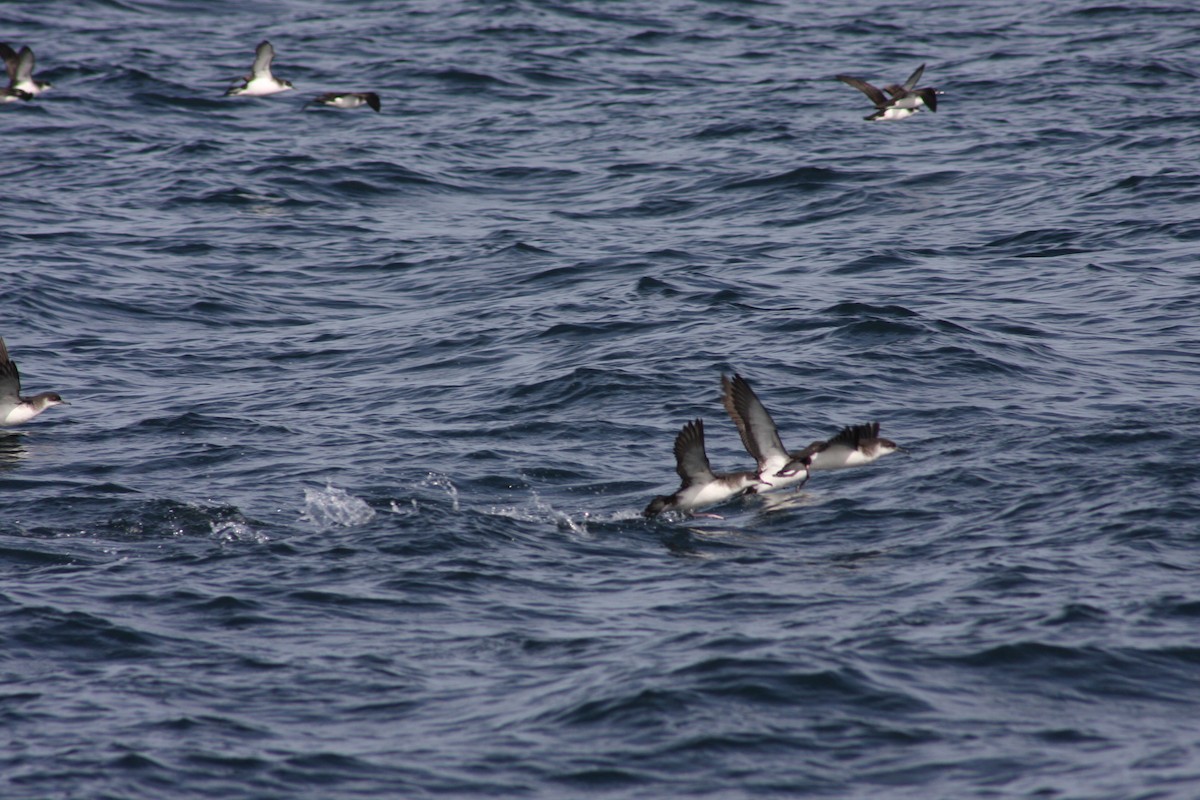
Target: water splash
pixel 538 510
pixel 437 480
pixel 235 531
pixel 332 507
pixel 405 511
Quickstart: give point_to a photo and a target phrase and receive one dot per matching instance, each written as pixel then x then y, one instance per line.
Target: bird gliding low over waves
pixel 905 100
pixel 701 487
pixel 853 446
pixel 15 409
pixel 260 82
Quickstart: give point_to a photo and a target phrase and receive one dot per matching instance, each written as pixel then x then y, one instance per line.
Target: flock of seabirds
pixel 894 101
pixel 259 83
pixel 701 488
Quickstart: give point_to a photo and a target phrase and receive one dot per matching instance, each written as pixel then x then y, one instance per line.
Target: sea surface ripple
pixel 365 407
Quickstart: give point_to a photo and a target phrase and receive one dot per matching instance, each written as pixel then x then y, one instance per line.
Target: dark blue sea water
pixel 365 407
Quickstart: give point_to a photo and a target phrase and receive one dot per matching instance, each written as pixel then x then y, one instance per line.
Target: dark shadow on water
pixel 12 450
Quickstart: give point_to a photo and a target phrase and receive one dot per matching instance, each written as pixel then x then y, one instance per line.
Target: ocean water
pixel 365 407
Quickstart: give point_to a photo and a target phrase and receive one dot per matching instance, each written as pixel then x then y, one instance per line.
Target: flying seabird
pixel 759 434
pixel 701 487
pixel 347 99
pixel 19 66
pixel 15 409
pixel 905 100
pixel 853 446
pixel 260 82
